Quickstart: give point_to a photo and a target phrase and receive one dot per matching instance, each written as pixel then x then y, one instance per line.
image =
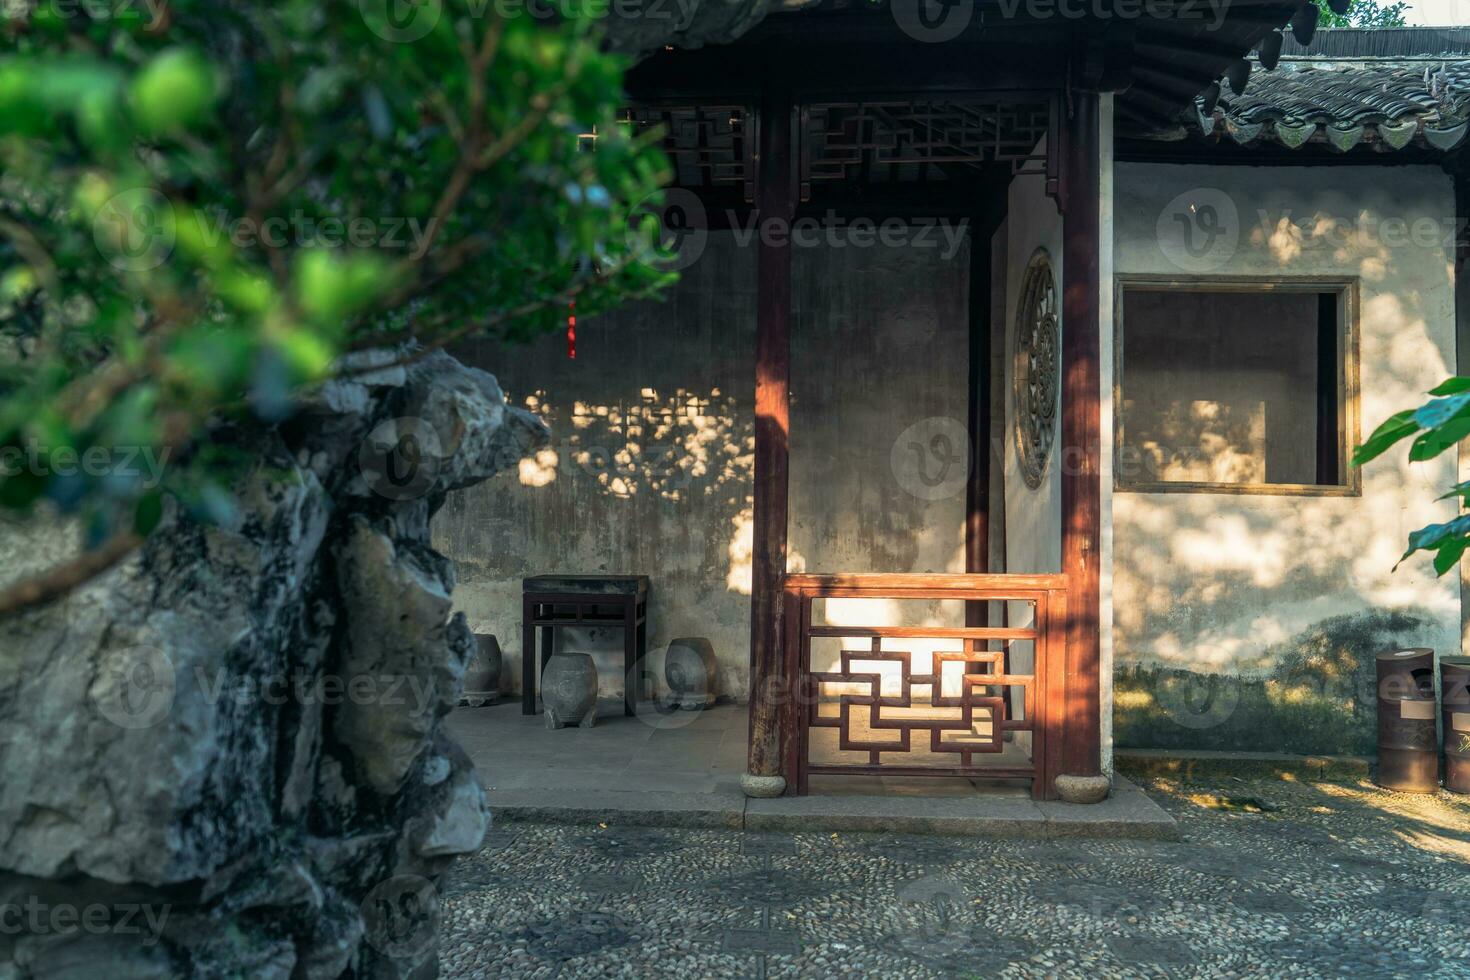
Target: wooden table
pixel 587 601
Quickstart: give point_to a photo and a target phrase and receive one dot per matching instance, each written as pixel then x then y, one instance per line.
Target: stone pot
pixel 482 677
pixel 689 672
pixel 569 690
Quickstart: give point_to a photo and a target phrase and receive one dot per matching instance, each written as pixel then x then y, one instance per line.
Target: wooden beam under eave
pixel 771 713
pixel 1080 456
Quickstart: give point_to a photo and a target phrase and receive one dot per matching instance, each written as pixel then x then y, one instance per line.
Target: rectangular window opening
pixel 1233 386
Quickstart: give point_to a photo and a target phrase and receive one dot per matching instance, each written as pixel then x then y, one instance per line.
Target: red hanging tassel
pixel 572 330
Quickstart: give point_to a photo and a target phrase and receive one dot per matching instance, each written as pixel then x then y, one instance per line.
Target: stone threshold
pixel 1127 813
pixel 1203 764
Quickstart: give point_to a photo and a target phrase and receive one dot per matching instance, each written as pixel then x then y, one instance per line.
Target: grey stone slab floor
pixel 1271 879
pixel 683 769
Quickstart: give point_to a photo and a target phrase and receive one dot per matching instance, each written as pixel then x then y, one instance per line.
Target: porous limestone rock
pixel 231 743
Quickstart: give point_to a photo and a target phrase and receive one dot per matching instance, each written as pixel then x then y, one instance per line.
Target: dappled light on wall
pixel 539 469
pixel 671 445
pixel 741 550
pixel 1204 442
pixel 1361 244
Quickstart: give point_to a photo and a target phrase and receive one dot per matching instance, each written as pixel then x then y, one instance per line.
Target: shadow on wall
pixel 681 445
pixel 650 468
pixel 648 472
pixel 1249 622
pixel 1319 698
pixel 658 485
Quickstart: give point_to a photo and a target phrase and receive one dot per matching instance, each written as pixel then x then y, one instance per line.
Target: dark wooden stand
pixel 588 601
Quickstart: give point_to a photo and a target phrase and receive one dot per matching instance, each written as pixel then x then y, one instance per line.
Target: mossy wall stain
pixel 1318 698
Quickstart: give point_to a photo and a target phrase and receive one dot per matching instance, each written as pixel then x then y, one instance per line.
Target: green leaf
pixel 1432 536
pixel 19 490
pixel 329 288
pixel 1438 411
pixel 1452 386
pixel 148 513
pixel 1458 490
pixel 1437 440
pixel 1448 555
pixel 107 124
pixel 173 91
pixel 1395 428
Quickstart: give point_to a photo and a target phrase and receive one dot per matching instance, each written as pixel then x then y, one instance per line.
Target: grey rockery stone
pixel 233 739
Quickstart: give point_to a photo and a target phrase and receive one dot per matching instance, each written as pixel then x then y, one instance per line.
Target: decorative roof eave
pixel 1295 134
pixel 1383 108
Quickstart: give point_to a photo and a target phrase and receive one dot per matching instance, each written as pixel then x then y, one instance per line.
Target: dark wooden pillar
pixel 983 225
pixel 977 489
pixel 1081 443
pixel 775 200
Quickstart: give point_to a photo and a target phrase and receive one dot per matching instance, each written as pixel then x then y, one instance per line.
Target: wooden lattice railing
pixel 859 724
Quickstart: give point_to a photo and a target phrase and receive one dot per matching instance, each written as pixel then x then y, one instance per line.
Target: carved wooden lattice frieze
pixel 708 145
pixel 1037 368
pixel 871 142
pixel 895 140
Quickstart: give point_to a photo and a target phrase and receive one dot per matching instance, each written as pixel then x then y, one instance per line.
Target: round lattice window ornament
pixel 1038 368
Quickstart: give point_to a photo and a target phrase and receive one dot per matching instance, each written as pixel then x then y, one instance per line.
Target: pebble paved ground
pixel 1330 880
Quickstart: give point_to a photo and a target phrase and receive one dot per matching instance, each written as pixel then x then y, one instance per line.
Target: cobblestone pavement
pixel 1273 879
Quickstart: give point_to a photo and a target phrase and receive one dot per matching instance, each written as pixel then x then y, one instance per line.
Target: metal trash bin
pixel 1454 692
pixel 1408 756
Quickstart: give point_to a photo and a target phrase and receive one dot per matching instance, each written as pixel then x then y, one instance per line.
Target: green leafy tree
pixel 1366 13
pixel 206 205
pixel 1435 426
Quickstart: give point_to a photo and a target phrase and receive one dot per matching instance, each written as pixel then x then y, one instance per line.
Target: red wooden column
pixel 1081 444
pixel 775 199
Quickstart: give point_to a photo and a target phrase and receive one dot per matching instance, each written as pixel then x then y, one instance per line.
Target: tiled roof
pixel 1382 43
pixel 1380 90
pixel 1385 107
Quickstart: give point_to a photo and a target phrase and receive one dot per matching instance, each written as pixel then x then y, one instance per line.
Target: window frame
pixel 1348 388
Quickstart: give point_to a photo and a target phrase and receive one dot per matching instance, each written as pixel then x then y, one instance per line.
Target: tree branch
pixel 61 579
pixel 475 326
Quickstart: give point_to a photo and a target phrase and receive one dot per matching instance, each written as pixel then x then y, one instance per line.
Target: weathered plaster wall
pixel 1107 443
pixel 879 454
pixel 648 472
pixel 650 467
pixel 879 365
pixel 1033 517
pixel 1250 622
